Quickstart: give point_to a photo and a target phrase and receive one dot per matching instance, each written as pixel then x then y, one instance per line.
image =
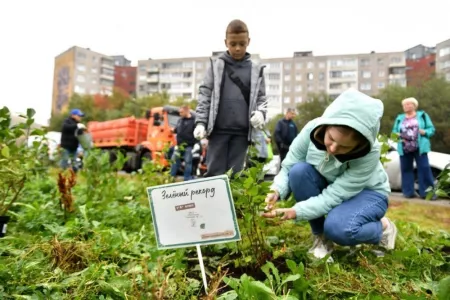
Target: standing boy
pixel 232 100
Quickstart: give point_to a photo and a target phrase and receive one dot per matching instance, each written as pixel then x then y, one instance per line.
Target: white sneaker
pixel 389 236
pixel 321 247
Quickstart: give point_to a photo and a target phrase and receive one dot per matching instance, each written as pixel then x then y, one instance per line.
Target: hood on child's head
pixel 356 110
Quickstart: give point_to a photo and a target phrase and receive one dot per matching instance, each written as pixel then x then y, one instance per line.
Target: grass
pixel 431 217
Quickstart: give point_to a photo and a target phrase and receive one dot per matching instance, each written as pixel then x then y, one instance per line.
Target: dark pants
pixel 226 152
pixel 355 221
pixel 283 153
pixel 424 173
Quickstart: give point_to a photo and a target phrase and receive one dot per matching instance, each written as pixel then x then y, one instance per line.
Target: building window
pixel 298 77
pixel 287 88
pixel 287 66
pixel 444 51
pixel 273 76
pixel 380 73
pixel 273 87
pixel 199 65
pixel 94 70
pixel 287 99
pixel 381 85
pixel 81 68
pixel 298 88
pixel 274 65
pixel 298 66
pixel 364 62
pixel 309 65
pixel 396 60
pixel 321 76
pixel 365 86
pixel 79 90
pixel 366 74
pixel 287 78
pixel 310 76
pixel 321 65
pixel 81 78
pixel 380 61
pixel 298 99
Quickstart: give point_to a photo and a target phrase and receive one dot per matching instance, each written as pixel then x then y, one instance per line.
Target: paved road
pixel 399 197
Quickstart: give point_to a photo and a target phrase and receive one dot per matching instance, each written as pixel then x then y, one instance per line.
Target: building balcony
pixel 107 76
pixel 153 70
pixel 153 79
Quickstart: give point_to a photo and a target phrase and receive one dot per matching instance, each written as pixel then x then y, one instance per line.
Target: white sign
pixel 196 212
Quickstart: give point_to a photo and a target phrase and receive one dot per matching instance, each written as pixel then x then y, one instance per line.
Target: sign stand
pixel 202 267
pixel 194 213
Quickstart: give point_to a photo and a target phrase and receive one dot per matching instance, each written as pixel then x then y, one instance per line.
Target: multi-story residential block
pixel 305 73
pixel 288 80
pixel 82 71
pixel 443 59
pixel 125 80
pixel 420 64
pixel 180 77
pixel 121 60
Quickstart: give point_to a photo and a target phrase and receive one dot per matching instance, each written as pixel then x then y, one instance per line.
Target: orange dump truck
pixel 142 138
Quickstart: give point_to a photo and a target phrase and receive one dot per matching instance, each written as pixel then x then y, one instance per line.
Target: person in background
pixel 415 130
pixel 185 143
pixel 261 143
pixel 71 127
pixel 285 133
pixel 231 102
pixel 333 168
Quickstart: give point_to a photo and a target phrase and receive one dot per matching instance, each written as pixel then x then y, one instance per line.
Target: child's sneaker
pixel 321 247
pixel 389 235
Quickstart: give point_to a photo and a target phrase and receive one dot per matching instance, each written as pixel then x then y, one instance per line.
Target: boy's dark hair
pixel 236 27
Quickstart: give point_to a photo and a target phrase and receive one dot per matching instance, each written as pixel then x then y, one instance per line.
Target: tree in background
pixel 118 105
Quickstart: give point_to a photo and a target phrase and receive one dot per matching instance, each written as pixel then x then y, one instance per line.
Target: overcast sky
pixel 34 32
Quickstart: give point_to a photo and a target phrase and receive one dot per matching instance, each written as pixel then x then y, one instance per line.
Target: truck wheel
pixel 146 157
pixel 130 165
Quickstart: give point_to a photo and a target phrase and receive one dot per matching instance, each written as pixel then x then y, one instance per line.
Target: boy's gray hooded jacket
pixel 211 95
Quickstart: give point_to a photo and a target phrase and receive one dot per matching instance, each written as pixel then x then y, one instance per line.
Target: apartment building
pixel 288 80
pixel 420 64
pixel 121 60
pixel 82 71
pixel 443 59
pixel 180 77
pixel 125 80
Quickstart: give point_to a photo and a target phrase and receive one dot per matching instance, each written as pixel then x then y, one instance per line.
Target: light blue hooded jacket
pixel 347 175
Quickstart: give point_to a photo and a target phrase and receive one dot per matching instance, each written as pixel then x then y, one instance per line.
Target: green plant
pixel 17 161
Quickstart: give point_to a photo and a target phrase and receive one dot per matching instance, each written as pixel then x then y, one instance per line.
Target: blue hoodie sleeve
pixel 297 153
pixel 346 186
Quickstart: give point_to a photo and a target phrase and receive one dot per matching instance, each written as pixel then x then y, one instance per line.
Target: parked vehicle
pixel 142 139
pixel 437 160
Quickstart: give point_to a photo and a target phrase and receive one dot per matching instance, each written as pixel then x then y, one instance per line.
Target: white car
pixel 437 160
pixel 52 139
pixel 272 168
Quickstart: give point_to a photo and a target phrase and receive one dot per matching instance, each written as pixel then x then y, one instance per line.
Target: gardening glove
pixel 271 199
pixel 81 126
pixel 257 120
pixel 199 132
pixel 285 213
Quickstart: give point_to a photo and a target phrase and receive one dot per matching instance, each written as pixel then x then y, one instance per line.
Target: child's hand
pixel 285 213
pixel 257 119
pixel 199 132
